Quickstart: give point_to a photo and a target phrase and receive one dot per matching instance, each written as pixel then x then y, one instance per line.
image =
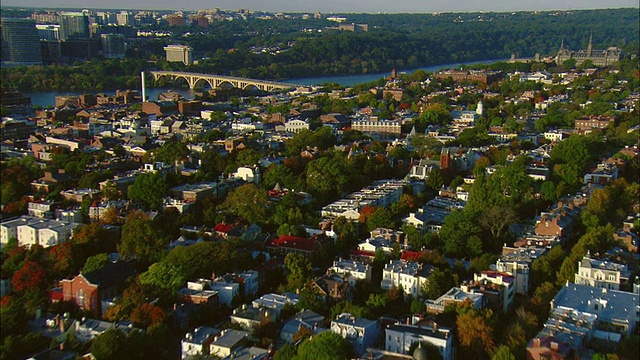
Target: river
pixel 46 99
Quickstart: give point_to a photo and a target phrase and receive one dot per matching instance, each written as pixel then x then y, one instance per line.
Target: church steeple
pixel 562 45
pixel 590 46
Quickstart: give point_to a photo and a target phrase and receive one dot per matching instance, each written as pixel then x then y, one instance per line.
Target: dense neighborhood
pixel 485 212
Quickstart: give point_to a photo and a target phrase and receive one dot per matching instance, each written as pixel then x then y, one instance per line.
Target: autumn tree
pixel 474 333
pixel 30 276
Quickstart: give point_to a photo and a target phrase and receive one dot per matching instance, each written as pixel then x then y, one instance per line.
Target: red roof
pixel 362 253
pixel 411 255
pixel 299 243
pixel 223 228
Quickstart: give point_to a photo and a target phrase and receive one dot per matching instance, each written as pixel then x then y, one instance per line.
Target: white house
pixel 296 125
pixel 354 270
pixel 361 333
pixel 601 274
pixel 399 338
pixel 410 275
pixel 226 342
pixel 197 342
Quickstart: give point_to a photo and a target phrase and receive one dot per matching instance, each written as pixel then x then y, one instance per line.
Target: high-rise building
pixel 48 32
pixel 20 41
pixel 73 25
pixel 126 18
pixel 112 46
pixel 175 20
pixel 182 53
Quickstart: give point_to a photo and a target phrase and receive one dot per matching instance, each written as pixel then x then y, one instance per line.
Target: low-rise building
pixel 359 332
pixel 197 342
pixel 227 341
pixel 305 319
pixel 498 289
pixel 601 273
pixel 249 317
pixel 517 263
pixel 408 275
pixel 276 301
pixel 400 337
pixel 455 295
pixel 354 270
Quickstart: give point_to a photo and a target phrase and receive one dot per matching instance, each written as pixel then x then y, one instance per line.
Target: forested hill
pixel 401 41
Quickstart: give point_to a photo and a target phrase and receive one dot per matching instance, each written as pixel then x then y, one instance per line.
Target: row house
pixel 78 195
pixel 226 289
pixel 249 317
pixel 604 173
pixel 30 231
pixel 587 124
pixel 558 221
pixel 276 302
pixel 196 343
pixel 227 342
pixel 41 209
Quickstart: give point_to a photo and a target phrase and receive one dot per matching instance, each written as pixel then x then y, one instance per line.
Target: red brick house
pixel 88 290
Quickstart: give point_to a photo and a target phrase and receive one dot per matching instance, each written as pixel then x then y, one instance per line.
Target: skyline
pixel 336 6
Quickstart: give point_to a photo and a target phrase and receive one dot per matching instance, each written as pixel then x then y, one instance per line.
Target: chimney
pixel 536 342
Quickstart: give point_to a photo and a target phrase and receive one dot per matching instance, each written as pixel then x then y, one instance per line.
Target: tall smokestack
pixel 144 95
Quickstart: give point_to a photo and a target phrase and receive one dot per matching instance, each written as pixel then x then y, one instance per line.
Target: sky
pixel 338 6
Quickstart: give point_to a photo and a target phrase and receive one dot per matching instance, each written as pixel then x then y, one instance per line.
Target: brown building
pixel 159 108
pixel 332 287
pixel 175 20
pixel 487 77
pixel 190 107
pixel 590 123
pixel 396 94
pixel 88 290
pixel 549 348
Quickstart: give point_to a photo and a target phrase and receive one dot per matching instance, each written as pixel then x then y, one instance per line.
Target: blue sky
pixel 327 6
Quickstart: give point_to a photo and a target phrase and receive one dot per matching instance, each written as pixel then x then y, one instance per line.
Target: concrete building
pixel 618 312
pixel 29 231
pixel 361 333
pixel 498 289
pixel 378 126
pixel 249 317
pixel 20 41
pixel 112 46
pixel 516 263
pixel 179 53
pixel 399 338
pixel 73 25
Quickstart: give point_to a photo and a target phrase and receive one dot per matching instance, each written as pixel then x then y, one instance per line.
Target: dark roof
pixel 111 274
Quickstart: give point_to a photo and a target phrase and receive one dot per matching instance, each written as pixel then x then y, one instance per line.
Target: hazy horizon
pixel 338 6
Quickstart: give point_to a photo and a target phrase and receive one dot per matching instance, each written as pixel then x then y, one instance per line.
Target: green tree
pixel 503 353
pixel 381 218
pixel 458 231
pixel 110 345
pixel 148 188
pixel 141 238
pixel 163 276
pixel 95 262
pixel 299 271
pixel 248 202
pixel 324 346
pixel 438 282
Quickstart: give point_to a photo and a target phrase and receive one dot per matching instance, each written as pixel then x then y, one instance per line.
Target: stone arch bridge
pixel 197 81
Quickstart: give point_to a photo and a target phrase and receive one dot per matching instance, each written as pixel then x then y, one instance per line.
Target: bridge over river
pixel 198 81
